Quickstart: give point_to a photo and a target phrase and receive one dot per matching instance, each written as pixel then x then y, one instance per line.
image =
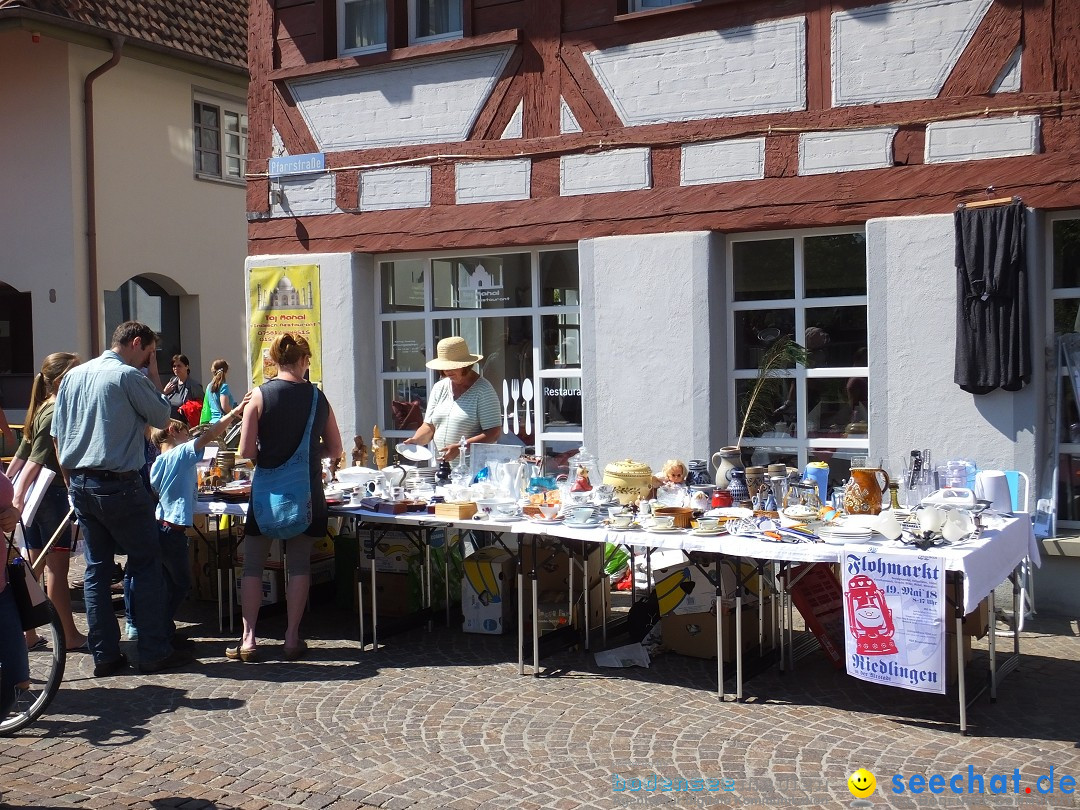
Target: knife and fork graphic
pixel 512 392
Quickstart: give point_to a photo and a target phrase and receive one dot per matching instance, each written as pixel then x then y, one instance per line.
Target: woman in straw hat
pixel 462 403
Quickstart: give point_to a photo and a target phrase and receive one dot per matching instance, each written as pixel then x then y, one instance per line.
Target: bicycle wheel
pixel 46 672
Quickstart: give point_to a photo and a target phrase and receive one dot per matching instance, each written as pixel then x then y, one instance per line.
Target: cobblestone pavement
pixel 442 720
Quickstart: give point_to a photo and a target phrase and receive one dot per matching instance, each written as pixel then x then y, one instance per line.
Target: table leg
pixel 719 630
pixel 220 606
pixel 992 644
pixel 446 573
pixel 535 613
pixel 374 612
pixel 738 643
pixel 427 570
pixel 961 685
pixel 585 564
pixel 521 613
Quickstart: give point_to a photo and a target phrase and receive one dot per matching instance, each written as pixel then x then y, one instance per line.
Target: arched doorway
pixel 148 300
pixel 17 363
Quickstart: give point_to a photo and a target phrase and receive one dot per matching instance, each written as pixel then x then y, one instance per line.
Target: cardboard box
pixel 394 554
pixel 684 588
pixel 553 566
pixel 395 594
pixel 819 598
pixel 694 634
pixel 273 585
pixel 487 591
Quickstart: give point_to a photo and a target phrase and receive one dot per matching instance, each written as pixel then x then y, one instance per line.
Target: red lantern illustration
pixel 869 617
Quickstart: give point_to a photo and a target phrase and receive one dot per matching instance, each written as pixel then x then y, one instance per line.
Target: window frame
pixel 569 315
pixel 223 105
pixel 366 49
pixel 1053 295
pixel 635 6
pixel 450 35
pixel 800 445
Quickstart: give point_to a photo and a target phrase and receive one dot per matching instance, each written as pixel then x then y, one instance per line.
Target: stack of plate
pixel 418 476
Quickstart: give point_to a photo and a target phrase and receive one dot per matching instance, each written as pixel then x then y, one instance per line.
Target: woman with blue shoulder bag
pixel 288 428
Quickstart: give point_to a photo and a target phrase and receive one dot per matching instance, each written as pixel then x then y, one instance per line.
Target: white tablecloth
pixel 985 562
pixel 220 508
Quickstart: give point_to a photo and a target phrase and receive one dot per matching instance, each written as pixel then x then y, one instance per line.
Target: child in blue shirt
pixel 174 479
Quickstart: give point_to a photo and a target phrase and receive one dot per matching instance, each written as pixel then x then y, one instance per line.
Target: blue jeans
pixel 118 516
pixel 14 663
pixel 177 565
pixel 53 509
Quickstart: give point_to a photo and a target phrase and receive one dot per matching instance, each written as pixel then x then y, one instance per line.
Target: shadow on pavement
pixel 106 721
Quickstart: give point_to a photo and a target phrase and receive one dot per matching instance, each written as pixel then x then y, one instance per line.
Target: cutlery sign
pixel 512 391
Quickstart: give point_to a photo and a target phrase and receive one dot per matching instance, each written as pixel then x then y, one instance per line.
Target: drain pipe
pixel 91 206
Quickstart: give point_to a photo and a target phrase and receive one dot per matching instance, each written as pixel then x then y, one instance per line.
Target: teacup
pixel 506 510
pixel 663 522
pixel 622 520
pixel 582 514
pixel 707 524
pixel 549 512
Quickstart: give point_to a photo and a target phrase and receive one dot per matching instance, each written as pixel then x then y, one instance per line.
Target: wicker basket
pixel 681 514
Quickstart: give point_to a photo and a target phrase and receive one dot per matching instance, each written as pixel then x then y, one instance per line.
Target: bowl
pixel 549 512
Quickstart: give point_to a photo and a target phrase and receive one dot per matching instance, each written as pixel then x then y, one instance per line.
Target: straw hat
pixel 453 352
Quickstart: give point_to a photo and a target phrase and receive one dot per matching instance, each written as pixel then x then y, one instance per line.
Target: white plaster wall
pixel 304 195
pixel 759 68
pixel 42 228
pixel 981 138
pixel 428 101
pixel 652 327
pixel 492 181
pixel 513 126
pixel 831 152
pixel 567 122
pixel 405 187
pixel 617 170
pixel 1008 81
pixel 154 217
pixel 911 317
pixel 901 50
pixel 348 335
pixel 722 161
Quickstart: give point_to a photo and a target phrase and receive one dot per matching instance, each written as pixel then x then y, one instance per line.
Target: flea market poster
pixel 283 299
pixel 894 618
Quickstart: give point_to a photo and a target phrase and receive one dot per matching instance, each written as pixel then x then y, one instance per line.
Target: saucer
pixel 664 529
pixel 546 521
pixel 708 532
pixel 510 519
pixel 631 527
pixel 589 524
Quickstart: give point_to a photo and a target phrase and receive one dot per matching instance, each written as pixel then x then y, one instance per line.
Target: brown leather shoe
pixel 248 655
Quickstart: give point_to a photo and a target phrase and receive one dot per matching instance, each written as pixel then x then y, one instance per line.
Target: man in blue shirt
pixel 102 412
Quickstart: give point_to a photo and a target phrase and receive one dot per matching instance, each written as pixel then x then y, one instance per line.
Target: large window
pixel 1064 263
pixel 519 309
pixel 810 287
pixel 363 28
pixel 643 5
pixel 220 138
pixel 433 20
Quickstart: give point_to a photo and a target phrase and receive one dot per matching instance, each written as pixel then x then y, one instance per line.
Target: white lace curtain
pixel 365 23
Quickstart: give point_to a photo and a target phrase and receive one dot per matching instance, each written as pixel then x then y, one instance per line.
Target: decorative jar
pixel 632 480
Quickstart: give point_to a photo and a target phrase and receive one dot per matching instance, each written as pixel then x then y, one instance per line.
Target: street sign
pixel 297 164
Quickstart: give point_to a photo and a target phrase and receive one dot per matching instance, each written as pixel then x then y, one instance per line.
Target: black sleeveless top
pixel 286 406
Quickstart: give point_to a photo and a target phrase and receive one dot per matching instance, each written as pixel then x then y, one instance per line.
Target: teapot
pixel 509 476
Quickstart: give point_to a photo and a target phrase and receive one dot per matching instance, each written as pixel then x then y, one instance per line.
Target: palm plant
pixel 784 353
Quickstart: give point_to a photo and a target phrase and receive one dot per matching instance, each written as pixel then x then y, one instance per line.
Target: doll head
pixel 674 471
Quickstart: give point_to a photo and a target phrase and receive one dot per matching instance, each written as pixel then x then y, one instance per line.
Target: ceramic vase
pixel 725 460
pixel 736 487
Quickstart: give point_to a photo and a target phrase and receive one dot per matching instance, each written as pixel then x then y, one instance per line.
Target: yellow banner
pixel 283 299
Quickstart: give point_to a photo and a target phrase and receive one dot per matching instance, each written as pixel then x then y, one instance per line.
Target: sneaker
pixel 131 632
pixel 174 660
pixel 110 667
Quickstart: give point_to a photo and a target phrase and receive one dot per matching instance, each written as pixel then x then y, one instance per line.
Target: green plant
pixel 784 353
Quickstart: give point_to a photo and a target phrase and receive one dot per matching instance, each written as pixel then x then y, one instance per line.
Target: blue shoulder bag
pixel 281 497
